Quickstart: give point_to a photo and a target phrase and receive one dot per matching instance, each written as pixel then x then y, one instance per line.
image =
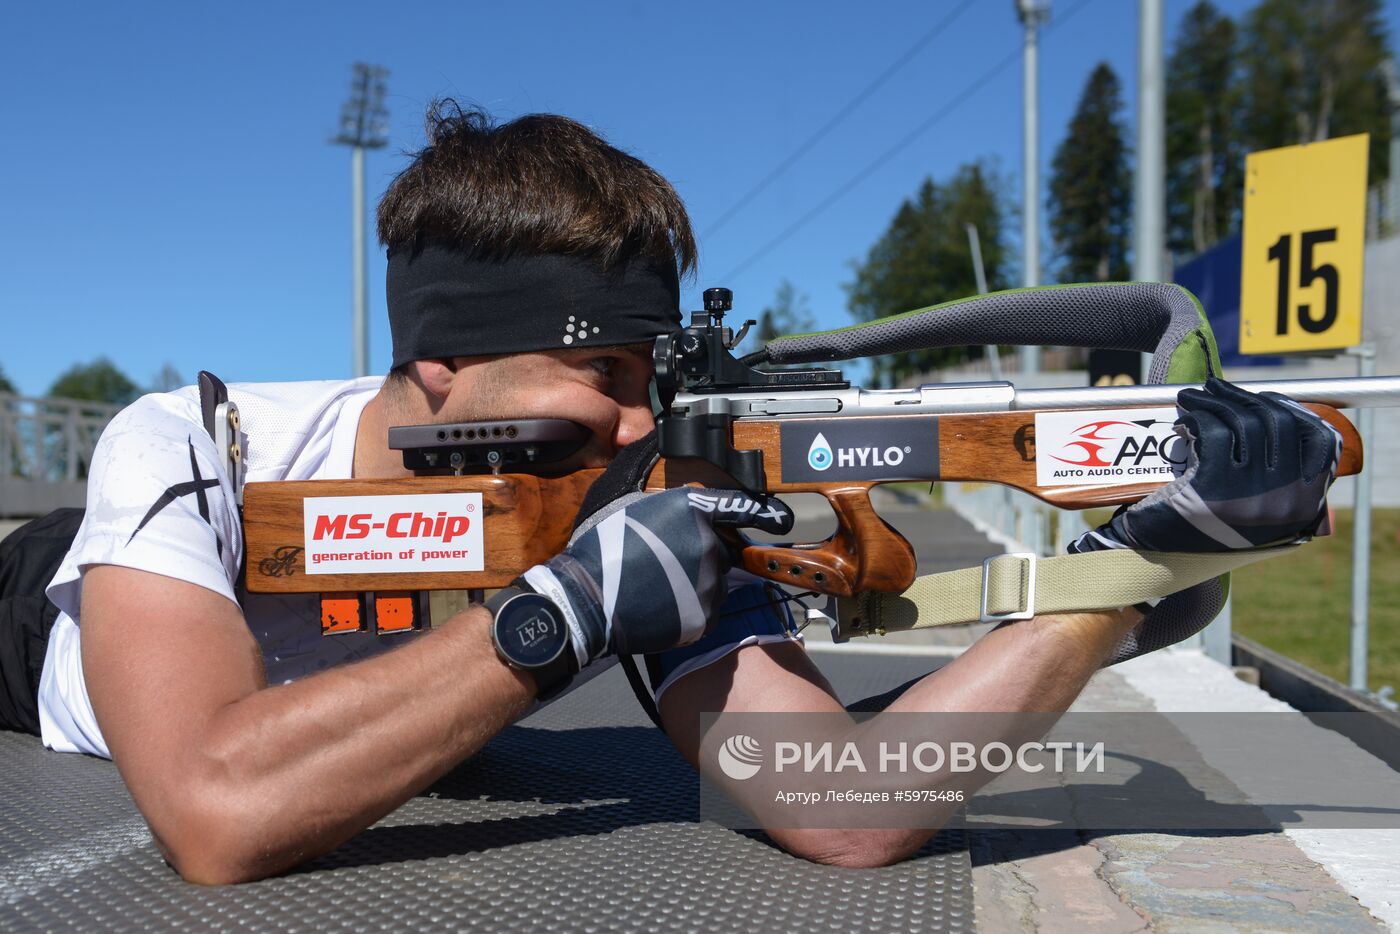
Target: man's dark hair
pixel 541 184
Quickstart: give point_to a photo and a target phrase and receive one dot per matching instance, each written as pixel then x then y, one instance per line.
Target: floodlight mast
pixel 1033 14
pixel 364 124
pixel 1149 181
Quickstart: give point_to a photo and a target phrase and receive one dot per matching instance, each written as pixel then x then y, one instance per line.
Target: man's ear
pixel 436 377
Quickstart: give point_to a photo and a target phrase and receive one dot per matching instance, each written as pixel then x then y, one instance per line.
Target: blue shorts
pixel 754 614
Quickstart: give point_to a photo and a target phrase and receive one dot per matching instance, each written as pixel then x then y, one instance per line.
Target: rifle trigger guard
pixel 864 553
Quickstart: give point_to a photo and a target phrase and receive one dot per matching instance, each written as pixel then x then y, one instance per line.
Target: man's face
pixel 602 388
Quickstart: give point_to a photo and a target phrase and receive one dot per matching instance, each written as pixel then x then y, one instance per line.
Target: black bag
pixel 29 558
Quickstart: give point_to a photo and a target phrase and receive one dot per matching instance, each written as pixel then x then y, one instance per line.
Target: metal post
pixel 1392 196
pixel 70 443
pixel 1150 180
pixel 10 465
pixel 41 460
pixel 1394 181
pixel 974 243
pixel 1361 534
pixel 359 324
pixel 1217 638
pixel 1032 14
pixel 363 125
pixel 1149 190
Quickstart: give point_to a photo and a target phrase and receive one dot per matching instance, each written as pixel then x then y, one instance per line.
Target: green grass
pixel 1300 605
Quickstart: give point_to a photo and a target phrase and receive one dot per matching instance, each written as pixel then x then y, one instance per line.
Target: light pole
pixel 1033 13
pixel 364 124
pixel 1391 212
pixel 1149 189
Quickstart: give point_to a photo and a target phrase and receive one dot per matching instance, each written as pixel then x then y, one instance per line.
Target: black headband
pixel 444 302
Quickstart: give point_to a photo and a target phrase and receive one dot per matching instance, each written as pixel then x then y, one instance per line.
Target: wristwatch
pixel 530 634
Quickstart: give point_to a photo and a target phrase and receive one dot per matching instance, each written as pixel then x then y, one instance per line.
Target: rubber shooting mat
pixel 583 816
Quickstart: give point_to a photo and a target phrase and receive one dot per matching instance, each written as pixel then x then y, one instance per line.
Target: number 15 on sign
pixel 1304 243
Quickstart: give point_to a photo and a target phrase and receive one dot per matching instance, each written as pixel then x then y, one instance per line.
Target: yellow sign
pixel 1304 243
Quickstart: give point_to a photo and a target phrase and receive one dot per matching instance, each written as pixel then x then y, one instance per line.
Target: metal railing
pixel 1015 520
pixel 46 449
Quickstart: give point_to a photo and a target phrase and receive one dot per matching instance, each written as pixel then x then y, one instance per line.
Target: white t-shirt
pixel 159 500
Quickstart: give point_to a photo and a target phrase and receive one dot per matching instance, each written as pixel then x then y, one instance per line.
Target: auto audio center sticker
pixel 1113 447
pixel 903 448
pixel 400 534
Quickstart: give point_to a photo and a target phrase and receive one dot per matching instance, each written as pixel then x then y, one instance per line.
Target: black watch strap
pixel 551 679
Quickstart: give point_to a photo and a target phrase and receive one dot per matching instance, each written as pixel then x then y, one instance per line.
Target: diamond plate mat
pixel 582 817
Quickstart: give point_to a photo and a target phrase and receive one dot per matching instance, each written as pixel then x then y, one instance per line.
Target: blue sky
pixel 169 194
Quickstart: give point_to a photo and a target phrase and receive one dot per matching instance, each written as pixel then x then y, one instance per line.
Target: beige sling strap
pixel 1022 585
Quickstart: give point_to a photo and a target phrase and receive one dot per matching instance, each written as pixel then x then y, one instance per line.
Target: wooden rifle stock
pixel 527 519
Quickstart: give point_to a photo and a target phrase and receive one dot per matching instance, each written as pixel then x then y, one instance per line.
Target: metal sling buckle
pixel 1029 611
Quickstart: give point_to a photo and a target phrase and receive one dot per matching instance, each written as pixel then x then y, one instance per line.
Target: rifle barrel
pixel 955 398
pixel 1341 393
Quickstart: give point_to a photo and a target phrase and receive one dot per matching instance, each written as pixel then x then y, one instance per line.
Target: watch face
pixel 530 631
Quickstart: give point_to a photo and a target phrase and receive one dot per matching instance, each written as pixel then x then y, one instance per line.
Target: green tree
pixel 1311 71
pixel 98 381
pixel 5 384
pixel 1204 160
pixel 1090 188
pixel 923 258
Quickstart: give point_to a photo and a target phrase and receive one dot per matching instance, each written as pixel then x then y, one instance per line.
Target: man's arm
pixel 239 780
pixel 1036 665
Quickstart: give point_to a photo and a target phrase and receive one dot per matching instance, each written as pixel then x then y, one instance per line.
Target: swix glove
pixel 645 572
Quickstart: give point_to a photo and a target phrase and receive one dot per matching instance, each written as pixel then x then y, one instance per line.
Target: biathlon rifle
pixel 371 547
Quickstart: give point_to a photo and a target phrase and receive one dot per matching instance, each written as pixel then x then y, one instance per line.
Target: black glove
pixel 644 572
pixel 1258 468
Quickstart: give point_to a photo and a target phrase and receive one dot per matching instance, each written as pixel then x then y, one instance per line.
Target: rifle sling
pixel 1019 586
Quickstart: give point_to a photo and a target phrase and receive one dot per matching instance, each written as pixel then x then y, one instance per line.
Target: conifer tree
pixel 1311 70
pixel 1090 187
pixel 1204 159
